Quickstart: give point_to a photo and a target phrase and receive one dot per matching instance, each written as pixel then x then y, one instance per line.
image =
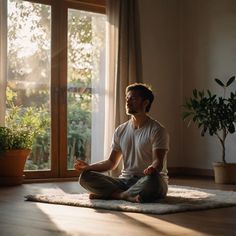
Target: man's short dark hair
pixel 145 92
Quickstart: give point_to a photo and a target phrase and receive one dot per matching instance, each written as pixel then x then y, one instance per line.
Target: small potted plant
pixel 22 125
pixel 217 116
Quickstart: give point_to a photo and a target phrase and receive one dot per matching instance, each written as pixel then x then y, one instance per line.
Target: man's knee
pixel 154 188
pixel 84 178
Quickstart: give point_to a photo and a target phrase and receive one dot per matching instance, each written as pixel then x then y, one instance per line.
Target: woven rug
pixel 179 199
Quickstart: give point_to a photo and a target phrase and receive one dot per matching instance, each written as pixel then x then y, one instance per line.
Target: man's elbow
pixel 113 165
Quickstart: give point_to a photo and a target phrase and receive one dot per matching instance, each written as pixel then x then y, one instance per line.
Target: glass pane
pixel 29 74
pixel 86 85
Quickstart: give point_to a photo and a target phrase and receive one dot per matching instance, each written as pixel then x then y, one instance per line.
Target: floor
pixel 18 217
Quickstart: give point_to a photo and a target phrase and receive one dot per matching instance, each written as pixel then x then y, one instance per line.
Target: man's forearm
pixel 102 166
pixel 157 165
pixel 159 159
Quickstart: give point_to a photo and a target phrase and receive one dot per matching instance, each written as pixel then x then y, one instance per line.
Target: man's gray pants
pixel 149 188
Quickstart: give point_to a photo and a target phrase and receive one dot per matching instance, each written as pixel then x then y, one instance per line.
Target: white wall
pixel 160 39
pixel 185 45
pixel 209 51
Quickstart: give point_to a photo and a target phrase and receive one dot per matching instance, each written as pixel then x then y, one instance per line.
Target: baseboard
pixel 48 180
pixel 172 172
pixel 187 171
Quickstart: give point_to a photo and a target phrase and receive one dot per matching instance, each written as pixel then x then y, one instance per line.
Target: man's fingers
pixel 146 171
pixel 79 168
pixel 149 170
pixel 80 163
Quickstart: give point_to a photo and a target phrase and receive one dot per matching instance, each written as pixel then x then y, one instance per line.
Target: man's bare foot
pixel 125 196
pixel 118 196
pixel 135 199
pixel 95 196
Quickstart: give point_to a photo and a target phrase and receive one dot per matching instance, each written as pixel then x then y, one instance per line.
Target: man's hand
pixel 149 170
pixel 157 164
pixel 80 165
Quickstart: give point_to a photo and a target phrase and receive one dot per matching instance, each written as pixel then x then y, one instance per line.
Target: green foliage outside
pixel 23 125
pixel 29 72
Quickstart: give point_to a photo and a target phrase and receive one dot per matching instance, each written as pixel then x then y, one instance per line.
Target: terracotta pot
pixel 12 163
pixel 225 173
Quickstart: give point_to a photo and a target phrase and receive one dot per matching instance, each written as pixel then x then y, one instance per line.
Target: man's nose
pixel 128 101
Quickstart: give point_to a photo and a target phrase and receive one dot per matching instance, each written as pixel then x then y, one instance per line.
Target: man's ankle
pixel 117 195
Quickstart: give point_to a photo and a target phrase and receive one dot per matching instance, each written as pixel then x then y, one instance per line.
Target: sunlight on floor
pixel 157 225
pixel 48 190
pixel 80 220
pixel 61 217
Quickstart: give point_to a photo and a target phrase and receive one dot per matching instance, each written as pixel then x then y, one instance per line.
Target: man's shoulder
pixel 158 128
pixel 156 124
pixel 123 126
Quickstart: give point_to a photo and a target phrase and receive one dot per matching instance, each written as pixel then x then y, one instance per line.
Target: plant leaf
pixel 201 93
pixel 209 92
pixel 219 82
pixel 195 93
pixel 231 128
pixel 203 131
pixel 189 123
pixel 186 114
pixel 230 81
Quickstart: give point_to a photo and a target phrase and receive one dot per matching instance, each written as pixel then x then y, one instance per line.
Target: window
pixel 53 62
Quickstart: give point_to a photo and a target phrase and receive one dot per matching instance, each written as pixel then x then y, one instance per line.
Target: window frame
pixel 58 88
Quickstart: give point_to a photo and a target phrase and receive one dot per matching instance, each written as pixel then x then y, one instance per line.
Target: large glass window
pixel 86 57
pixel 29 73
pixel 47 49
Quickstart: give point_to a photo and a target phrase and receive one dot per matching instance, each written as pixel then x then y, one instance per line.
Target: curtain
pixel 3 63
pixel 124 63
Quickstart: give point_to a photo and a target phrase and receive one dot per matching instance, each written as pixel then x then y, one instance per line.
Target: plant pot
pixel 225 173
pixel 12 163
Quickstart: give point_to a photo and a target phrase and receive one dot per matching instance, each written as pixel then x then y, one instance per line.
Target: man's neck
pixel 138 120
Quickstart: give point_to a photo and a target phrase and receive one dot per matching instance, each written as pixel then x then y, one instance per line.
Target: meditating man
pixel 142 143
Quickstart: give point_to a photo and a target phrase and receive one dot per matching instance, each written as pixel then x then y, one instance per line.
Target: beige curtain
pixel 3 62
pixel 124 62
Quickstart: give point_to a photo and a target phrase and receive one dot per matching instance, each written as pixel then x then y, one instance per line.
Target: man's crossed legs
pixel 135 189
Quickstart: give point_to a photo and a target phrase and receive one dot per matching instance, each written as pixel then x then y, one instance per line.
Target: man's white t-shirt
pixel 138 145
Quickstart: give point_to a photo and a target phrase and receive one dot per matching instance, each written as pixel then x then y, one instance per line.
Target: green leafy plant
pixel 22 125
pixel 212 113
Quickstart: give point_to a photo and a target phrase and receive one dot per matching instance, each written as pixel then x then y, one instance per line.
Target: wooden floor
pixel 18 217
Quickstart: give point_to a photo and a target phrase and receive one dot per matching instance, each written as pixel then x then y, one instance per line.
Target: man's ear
pixel 146 102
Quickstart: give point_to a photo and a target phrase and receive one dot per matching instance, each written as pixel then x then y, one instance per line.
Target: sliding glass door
pixel 28 74
pixel 85 79
pixel 53 65
pixel 85 76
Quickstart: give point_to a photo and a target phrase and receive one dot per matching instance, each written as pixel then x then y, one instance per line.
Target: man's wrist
pixel 156 168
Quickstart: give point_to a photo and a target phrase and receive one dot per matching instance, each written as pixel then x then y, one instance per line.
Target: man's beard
pixel 130 111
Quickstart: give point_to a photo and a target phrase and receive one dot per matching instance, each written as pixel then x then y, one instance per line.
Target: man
pixel 142 143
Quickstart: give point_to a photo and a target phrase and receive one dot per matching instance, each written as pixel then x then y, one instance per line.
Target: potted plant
pixel 22 125
pixel 217 116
